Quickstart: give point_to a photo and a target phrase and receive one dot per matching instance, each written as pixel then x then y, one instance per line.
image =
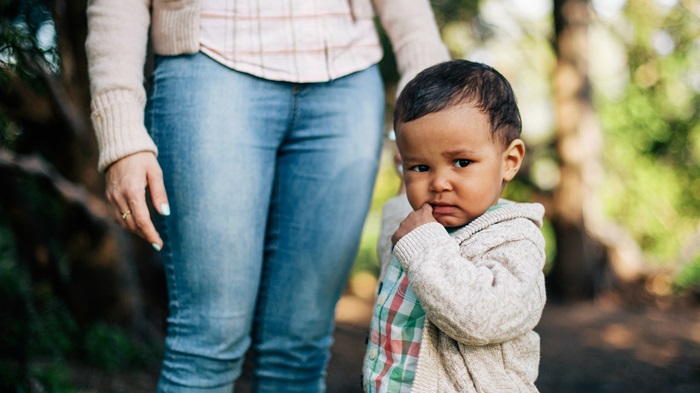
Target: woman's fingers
pixel 141 220
pixel 157 189
pixel 126 191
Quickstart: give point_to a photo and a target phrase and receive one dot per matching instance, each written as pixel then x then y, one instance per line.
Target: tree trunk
pixel 580 258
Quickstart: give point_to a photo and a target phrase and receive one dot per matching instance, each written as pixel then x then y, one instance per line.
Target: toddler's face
pixel 451 162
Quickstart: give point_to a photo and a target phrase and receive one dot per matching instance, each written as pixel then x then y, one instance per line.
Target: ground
pixel 601 346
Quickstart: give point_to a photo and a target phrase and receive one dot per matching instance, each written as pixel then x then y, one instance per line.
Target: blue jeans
pixel 269 184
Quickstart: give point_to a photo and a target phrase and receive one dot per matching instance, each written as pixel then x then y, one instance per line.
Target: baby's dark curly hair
pixel 459 82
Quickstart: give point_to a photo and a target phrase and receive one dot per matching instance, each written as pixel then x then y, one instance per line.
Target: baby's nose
pixel 440 184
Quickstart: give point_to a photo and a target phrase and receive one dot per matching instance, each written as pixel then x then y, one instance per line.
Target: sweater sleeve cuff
pixel 117 117
pixel 416 57
pixel 411 246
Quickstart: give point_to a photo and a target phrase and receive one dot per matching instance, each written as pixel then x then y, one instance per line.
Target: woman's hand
pixel 127 180
pixel 415 219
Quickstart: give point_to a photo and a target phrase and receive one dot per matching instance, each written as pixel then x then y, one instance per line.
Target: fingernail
pixel 165 209
pixel 155 246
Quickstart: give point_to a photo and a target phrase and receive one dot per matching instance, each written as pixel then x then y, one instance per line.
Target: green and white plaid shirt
pixel 395 335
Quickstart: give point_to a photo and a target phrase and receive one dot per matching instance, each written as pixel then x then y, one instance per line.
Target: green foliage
pixel 519 190
pixel 53 332
pixel 34 325
pixel 386 187
pixel 688 277
pixel 24 44
pixel 27 51
pixel 45 377
pixel 52 378
pixel 455 10
pixel 38 334
pixel 652 133
pixel 111 348
pixel 33 322
pixel 9 134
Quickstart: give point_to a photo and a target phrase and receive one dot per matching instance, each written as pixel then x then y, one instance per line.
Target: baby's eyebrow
pixel 410 158
pixel 457 152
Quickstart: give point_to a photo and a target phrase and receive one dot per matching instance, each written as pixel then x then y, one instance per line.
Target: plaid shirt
pixel 395 335
pixel 294 41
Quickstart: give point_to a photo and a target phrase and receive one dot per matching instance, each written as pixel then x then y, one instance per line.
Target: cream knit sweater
pixel 118 34
pixel 483 293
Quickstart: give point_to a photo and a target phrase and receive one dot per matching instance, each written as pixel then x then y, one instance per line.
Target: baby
pixel 457 305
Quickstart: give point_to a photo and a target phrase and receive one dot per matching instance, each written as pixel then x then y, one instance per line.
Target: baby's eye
pixel 419 168
pixel 462 163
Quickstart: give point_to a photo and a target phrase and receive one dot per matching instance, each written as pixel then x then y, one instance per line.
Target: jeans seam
pixel 167 254
pixel 294 112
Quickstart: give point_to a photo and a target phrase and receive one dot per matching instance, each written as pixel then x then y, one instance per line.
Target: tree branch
pixel 73 194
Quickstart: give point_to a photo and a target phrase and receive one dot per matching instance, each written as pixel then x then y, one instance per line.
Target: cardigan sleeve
pixel 493 297
pixel 414 36
pixel 116 51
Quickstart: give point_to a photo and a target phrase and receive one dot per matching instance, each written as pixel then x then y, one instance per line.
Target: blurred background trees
pixel 610 97
pixel 67 273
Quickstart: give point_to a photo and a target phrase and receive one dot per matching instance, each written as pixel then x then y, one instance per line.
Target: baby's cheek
pixel 415 198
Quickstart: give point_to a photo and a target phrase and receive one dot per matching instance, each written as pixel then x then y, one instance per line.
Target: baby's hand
pixel 415 219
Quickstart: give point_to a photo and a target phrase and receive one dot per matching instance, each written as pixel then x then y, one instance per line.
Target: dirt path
pixel 606 348
pixel 586 347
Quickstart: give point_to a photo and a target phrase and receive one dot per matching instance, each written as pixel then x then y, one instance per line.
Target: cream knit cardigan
pixel 483 293
pixel 118 33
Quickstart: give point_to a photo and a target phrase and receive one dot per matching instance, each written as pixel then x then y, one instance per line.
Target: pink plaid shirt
pixel 294 41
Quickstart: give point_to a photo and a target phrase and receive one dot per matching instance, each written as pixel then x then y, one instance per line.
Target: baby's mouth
pixel 439 208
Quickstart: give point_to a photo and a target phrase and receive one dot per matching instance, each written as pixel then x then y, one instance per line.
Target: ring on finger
pixel 125 214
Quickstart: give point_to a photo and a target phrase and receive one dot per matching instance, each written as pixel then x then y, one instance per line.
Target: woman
pixel 266 120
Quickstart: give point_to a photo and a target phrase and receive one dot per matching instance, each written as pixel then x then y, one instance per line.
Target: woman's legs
pixel 217 149
pixel 325 174
pixel 264 179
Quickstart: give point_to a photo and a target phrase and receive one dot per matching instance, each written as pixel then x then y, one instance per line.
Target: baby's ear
pixel 512 159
